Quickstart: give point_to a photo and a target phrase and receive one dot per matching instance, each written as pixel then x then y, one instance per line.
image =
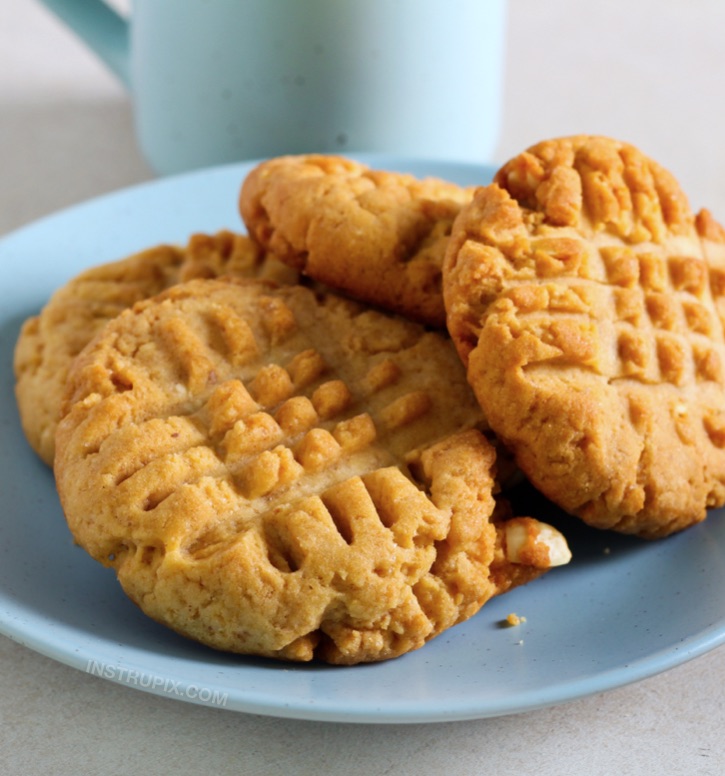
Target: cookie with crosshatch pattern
pixel 584 270
pixel 276 472
pixel 49 342
pixel 379 236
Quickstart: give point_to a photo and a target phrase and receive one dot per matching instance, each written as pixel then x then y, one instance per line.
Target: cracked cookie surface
pixel 582 269
pixel 285 474
pixel 378 236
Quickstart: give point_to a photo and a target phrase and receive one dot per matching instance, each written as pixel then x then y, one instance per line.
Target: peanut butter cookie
pixel 378 236
pixel 586 300
pixel 277 472
pixel 49 341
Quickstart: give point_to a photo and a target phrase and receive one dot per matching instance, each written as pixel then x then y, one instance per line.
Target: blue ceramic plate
pixel 621 611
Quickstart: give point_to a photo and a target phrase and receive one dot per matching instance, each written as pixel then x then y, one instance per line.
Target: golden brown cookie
pixel 584 295
pixel 49 341
pixel 276 472
pixel 378 236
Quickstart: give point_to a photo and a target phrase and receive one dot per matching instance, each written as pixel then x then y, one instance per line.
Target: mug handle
pixel 102 28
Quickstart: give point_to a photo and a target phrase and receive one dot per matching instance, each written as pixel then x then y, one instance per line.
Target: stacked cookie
pixel 584 270
pixel 49 342
pixel 282 451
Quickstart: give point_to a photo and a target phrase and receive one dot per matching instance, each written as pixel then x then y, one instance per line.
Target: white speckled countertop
pixel 649 72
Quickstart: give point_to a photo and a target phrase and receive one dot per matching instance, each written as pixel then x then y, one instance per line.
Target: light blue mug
pixel 215 81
